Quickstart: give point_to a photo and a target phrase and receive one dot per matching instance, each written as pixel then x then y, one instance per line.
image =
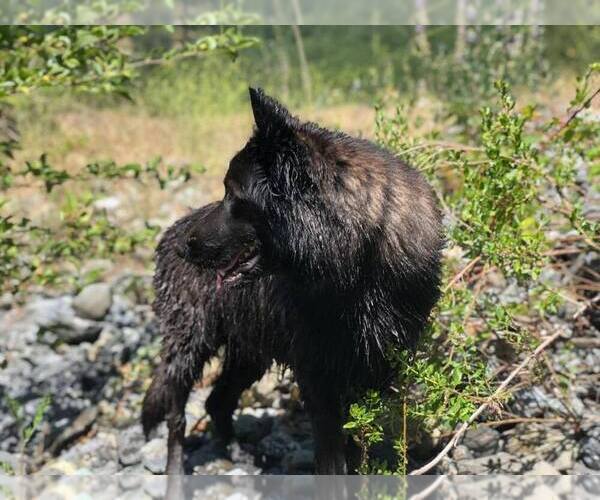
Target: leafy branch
pixel 95 59
pixel 489 401
pixel 502 221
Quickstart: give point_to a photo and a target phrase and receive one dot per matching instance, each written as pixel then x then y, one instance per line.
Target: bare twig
pixel 160 61
pixel 586 342
pixel 574 114
pixel 452 145
pixel 523 420
pixel 465 270
pixel 586 306
pixel 422 495
pixel 463 428
pixel 562 251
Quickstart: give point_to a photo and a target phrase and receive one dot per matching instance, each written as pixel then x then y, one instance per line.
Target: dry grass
pixel 127 135
pixel 81 135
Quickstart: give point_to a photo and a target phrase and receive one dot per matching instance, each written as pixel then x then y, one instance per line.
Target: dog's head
pixel 279 211
pixel 302 199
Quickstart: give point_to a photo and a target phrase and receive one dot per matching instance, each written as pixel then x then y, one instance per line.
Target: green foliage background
pixel 493 161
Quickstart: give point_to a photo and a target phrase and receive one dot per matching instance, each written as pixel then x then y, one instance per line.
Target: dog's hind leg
pixel 180 366
pixel 183 371
pixel 176 425
pixel 223 400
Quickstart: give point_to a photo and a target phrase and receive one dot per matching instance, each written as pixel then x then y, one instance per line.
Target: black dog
pixel 323 255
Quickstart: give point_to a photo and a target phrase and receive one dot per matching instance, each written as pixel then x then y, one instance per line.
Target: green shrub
pixel 91 59
pixel 500 219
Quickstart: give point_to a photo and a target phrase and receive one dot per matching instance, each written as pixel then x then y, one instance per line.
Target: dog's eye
pixel 243 210
pixel 238 208
pixel 233 204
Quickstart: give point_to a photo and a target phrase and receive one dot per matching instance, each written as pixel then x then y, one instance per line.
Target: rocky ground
pixel 93 353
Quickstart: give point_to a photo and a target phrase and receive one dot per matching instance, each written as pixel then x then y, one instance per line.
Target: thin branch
pixel 453 145
pixel 159 61
pixel 463 428
pixel 523 420
pixel 585 307
pixel 573 115
pixel 422 495
pixel 585 105
pixel 465 270
pixel 586 342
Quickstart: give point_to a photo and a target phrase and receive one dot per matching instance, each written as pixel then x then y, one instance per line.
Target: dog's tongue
pixel 221 273
pixel 219 283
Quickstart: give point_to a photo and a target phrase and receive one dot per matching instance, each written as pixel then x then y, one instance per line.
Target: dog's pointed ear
pixel 268 113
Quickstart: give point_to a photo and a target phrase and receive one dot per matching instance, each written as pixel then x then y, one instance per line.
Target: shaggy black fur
pixel 323 254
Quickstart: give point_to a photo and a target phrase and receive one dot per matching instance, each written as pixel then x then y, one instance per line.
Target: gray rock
pixel 499 463
pixel 581 470
pixel 18 329
pixel 80 426
pixel 97 454
pixel 272 448
pixel 129 481
pixel 543 468
pixel 15 379
pixel 299 460
pixel 251 429
pixel 129 446
pixel 94 301
pixel 446 466
pixel 154 455
pixel 238 471
pixel 77 334
pixel 543 492
pixel 461 452
pixel 195 408
pixel 535 402
pixel 56 315
pixel 512 294
pixel 588 480
pixel 155 486
pixel 482 440
pixel 589 452
pixel 263 392
pixel 537 441
pixel 577 405
pixel 217 466
pixel 564 462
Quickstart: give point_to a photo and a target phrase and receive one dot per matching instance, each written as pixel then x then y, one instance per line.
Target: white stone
pixel 544 468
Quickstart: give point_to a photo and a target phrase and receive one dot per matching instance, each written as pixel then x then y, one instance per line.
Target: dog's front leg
pixel 325 411
pixel 330 457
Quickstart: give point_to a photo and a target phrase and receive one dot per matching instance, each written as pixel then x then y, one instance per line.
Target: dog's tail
pixel 156 401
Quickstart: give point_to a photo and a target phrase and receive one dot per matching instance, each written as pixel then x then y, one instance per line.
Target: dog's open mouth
pixel 241 264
